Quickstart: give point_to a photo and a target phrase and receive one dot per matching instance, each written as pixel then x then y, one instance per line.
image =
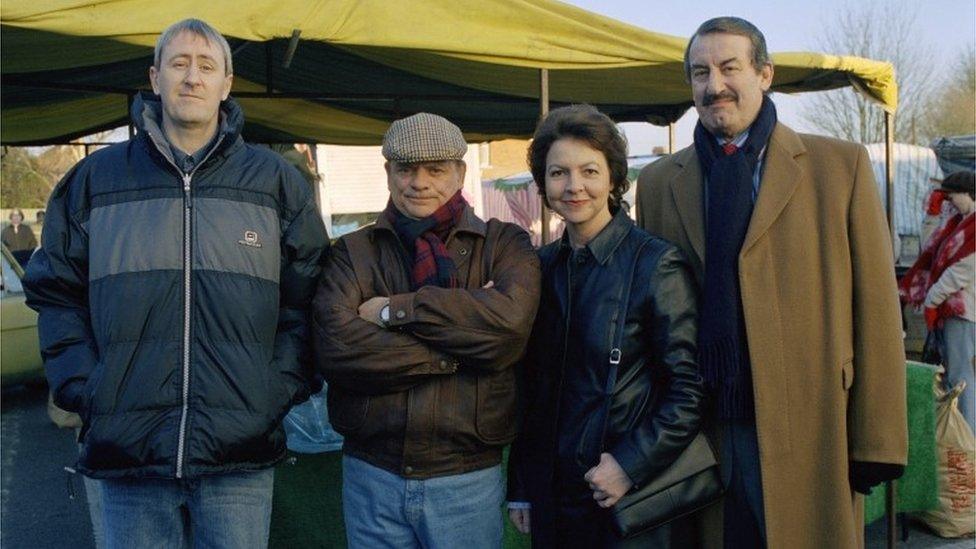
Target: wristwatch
pixel 385 315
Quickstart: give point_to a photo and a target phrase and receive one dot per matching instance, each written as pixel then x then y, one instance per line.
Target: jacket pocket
pixel 847 374
pixel 347 413
pixel 495 413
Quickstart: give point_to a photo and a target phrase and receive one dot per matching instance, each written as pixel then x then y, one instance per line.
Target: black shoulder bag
pixel 692 482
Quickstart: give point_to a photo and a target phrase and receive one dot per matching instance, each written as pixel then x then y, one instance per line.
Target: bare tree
pixel 954 108
pixel 884 31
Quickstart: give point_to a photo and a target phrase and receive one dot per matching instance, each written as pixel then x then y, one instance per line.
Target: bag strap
pixel 617 335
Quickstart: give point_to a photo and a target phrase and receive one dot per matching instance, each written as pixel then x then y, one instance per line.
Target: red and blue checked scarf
pixel 952 242
pixel 424 239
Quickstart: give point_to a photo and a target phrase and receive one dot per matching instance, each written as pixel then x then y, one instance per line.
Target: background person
pixel 943 281
pixel 19 238
pixel 562 476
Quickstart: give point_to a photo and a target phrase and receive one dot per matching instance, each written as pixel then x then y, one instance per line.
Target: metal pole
pixel 268 71
pixel 891 491
pixel 670 137
pixel 890 173
pixel 543 111
pixel 890 495
pixel 129 98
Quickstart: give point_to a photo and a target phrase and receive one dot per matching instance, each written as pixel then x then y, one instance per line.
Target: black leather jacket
pixel 656 402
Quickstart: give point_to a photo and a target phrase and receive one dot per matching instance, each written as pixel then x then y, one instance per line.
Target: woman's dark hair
pixel 586 123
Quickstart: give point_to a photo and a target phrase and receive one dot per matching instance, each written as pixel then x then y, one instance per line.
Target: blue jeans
pixel 382 509
pixel 958 342
pixel 231 510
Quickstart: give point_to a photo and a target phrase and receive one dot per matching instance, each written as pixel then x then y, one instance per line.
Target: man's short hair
pixel 732 25
pixel 199 28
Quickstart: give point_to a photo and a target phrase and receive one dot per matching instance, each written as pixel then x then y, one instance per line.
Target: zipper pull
pixel 615 356
pixel 186 189
pixel 69 475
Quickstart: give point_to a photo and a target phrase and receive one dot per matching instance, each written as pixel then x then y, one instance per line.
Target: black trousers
pixel 744 518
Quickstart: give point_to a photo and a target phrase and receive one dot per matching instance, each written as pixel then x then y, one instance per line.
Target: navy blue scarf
pixel 723 351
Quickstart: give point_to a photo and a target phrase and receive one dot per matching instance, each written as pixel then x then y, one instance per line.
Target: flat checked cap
pixel 423 137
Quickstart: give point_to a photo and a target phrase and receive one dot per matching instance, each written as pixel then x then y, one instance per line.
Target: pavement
pixel 37 510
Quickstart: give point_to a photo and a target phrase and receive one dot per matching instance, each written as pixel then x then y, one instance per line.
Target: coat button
pixel 443 365
pixel 463 251
pixel 401 314
pixel 408 470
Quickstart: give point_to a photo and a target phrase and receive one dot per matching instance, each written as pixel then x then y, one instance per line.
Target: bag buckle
pixel 615 355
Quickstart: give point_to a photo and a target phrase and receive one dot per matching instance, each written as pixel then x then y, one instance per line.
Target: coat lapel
pixel 779 181
pixel 686 188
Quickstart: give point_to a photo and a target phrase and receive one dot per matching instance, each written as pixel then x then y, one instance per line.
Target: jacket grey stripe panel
pixel 144 235
pixel 236 237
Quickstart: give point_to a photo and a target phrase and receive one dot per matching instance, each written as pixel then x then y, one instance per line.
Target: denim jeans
pixel 958 342
pixel 382 509
pixel 231 510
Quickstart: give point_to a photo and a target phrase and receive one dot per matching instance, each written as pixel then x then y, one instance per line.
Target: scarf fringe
pixel 722 370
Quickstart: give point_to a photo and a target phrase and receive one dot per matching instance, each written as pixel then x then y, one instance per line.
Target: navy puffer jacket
pixel 173 308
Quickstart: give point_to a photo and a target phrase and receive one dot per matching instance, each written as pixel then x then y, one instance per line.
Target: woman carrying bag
pixel 610 384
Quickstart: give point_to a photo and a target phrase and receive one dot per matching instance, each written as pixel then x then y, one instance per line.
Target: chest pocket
pixel 236 237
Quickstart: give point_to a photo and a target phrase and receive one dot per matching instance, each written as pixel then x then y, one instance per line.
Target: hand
pixel 370 310
pixel 608 481
pixel 520 519
pixel 931 317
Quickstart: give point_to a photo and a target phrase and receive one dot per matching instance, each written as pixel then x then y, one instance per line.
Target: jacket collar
pixel 469 223
pixel 607 240
pixel 781 174
pixel 147 116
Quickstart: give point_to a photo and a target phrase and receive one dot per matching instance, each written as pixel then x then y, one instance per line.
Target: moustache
pixel 715 97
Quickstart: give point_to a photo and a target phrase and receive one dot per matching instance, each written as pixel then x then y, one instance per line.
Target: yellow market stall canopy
pixel 338 71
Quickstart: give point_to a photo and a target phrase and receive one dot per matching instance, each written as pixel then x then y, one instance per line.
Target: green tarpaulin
pixel 69 67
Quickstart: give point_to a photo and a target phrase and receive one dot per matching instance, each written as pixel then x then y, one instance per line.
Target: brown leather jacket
pixel 433 394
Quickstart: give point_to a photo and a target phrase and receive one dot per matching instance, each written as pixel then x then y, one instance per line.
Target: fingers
pixel 608 502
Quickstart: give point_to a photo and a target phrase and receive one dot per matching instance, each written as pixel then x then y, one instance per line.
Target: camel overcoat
pixel 823 325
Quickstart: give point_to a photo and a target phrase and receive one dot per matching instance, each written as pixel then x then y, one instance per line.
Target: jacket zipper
pixel 187 276
pixel 187 271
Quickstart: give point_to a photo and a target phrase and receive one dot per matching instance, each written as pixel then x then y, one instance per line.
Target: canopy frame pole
pixel 129 99
pixel 268 70
pixel 889 128
pixel 292 46
pixel 670 137
pixel 889 123
pixel 543 111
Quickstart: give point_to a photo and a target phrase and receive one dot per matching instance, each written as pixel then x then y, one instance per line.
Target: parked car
pixel 20 355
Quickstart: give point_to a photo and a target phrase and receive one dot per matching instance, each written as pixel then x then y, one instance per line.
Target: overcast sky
pixel 948 26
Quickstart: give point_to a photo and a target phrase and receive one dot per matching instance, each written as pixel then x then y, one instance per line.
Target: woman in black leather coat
pixel 570 463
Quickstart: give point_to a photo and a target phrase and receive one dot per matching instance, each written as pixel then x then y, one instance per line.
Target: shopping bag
pixel 956 513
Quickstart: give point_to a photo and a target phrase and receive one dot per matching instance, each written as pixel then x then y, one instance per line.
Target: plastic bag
pixel 307 427
pixel 956 445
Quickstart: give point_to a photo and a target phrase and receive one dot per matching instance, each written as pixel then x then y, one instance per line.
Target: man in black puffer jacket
pixel 172 287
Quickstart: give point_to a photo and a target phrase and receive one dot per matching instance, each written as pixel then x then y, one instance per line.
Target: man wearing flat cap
pixel 418 320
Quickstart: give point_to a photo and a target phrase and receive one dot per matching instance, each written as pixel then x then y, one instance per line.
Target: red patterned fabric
pixel 424 238
pixel 952 242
